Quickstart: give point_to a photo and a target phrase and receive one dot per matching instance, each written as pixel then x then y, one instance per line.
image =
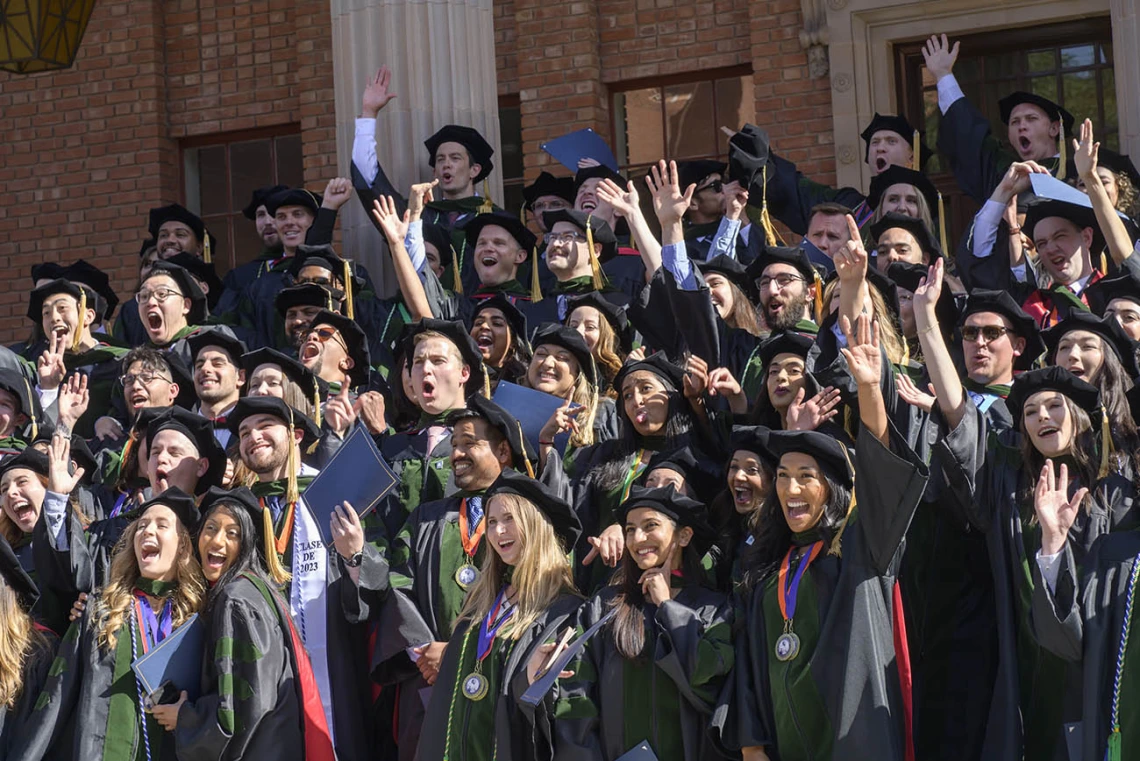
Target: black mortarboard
pixel 514 318
pixel 457 333
pixel 39 295
pixel 181 503
pixel 700 474
pixel 1043 208
pixel 248 406
pixel 290 367
pixel 547 184
pixel 220 336
pixel 184 377
pixel 82 271
pixel 19 386
pixel 176 213
pixel 728 266
pixel 16 577
pixel 900 126
pixel 916 227
pixel 440 237
pixel 692 172
pixel 240 497
pixel 147 245
pixel 614 314
pixel 796 257
pixel 747 157
pixel 31 459
pixel 509 222
pixel 1000 302
pixel 325 257
pixel 881 283
pixel 753 438
pixel 599 228
pixel 571 340
pixel 258 198
pixel 657 364
pixel 293 197
pixel 901 175
pixel 505 423
pixel 80 453
pixel 601 172
pixel 1103 292
pixel 907 276
pixel 827 451
pixel 187 285
pixel 46 271
pixel 354 338
pixel 204 272
pixel 670 502
pixel 307 294
pixel 1053 378
pixel 1107 328
pixel 784 342
pixel 200 431
pixel 480 150
pixel 1051 109
pixel 558 511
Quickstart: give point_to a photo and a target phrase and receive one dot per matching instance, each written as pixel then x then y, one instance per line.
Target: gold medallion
pixel 475 686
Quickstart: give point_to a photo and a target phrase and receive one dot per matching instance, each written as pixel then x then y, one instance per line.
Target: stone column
pixel 442 57
pixel 1126 60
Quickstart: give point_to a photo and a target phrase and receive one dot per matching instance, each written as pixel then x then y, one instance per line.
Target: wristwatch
pixel 354 561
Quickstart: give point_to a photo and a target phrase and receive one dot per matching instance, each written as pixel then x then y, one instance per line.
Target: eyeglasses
pixel 542 208
pixel 144 378
pixel 715 186
pixel 751 472
pixel 324 282
pixel 324 333
pixel 989 333
pixel 159 294
pixel 553 238
pixel 782 281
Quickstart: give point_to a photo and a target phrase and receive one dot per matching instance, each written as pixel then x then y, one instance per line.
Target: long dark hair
pixel 247 559
pixel 1083 461
pixel 772 537
pixel 1114 384
pixel 628 624
pixel 678 423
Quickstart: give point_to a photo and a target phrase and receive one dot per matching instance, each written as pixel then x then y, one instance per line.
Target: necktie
pixel 474 514
pixel 274 503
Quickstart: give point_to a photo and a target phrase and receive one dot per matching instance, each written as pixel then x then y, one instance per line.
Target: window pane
pixel 1108 92
pixel 966 70
pixel 687 110
pixel 735 106
pixel 1040 60
pixel 1044 86
pixel 222 254
pixel 290 162
pixel 1081 55
pixel 251 167
pixel 247 243
pixel 638 126
pixel 513 196
pixel 1080 95
pixel 212 180
pixel 933 118
pixel 510 138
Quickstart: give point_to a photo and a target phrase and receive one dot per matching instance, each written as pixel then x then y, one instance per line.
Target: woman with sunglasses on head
pixel 255 696
pixel 93 706
pixel 655 671
pixel 605 329
pixel 522 596
pixel 817 674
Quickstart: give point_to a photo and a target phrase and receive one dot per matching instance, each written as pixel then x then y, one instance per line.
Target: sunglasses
pixel 324 333
pixel 715 186
pixel 989 333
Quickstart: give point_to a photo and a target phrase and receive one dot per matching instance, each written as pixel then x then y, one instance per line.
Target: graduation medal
pixel 467 573
pixel 787 589
pixel 466 576
pixel 475 686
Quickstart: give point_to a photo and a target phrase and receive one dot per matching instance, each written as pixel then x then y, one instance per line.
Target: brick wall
pixel 88 150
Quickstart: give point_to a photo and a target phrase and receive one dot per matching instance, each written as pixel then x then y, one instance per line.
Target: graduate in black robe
pixel 655 671
pixel 523 596
pixel 817 674
pixel 258 698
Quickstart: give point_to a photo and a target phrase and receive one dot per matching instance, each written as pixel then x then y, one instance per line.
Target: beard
pixel 266 461
pixel 792 312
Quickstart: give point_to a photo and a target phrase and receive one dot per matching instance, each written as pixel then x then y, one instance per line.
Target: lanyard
pixel 788 589
pixel 470 543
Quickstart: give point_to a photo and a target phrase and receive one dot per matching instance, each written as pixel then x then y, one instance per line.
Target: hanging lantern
pixel 41 35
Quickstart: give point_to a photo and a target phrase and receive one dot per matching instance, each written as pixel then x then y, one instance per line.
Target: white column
pixel 1126 60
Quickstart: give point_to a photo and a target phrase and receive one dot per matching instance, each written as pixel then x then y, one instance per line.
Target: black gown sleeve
pixel 1056 616
pixel 889 483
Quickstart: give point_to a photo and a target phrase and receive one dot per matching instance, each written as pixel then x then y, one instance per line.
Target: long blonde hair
pixel 542 574
pixel 112 608
pixel 608 356
pixel 18 638
pixel 925 213
pixel 889 336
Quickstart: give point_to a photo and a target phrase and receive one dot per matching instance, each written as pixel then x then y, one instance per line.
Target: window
pixel 1069 63
pixel 510 162
pixel 680 118
pixel 220 172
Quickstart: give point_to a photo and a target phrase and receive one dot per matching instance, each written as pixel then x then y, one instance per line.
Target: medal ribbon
pixel 492 623
pixel 284 526
pixel 787 589
pixel 153 629
pixel 470 543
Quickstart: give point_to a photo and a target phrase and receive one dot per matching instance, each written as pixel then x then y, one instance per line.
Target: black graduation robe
pixel 491 728
pixel 841 697
pixel 14 720
pixel 791 196
pixel 666 697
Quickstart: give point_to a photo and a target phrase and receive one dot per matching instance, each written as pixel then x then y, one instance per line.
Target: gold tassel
pixel 942 226
pixel 522 439
pixel 350 312
pixel 535 287
pixel 633 241
pixel 486 384
pixel 486 207
pixel 277 571
pixel 77 339
pixel 765 219
pixel 1106 448
pixel 31 411
pixel 595 264
pixel 818 298
pixel 1103 263
pixel 317 402
pixel 206 257
pixel 457 280
pixel 916 149
pixel 836 548
pixel 1062 168
pixel 291 493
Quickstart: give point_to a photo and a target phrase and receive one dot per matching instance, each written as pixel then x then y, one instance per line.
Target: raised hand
pixel 347 533
pixel 394 227
pixel 336 193
pixel 624 202
pixel 609 546
pixel 562 420
pixel 1016 180
pixel 669 202
pixel 371 408
pixel 864 361
pixel 928 291
pixel 1086 151
pixel 940 57
pixel 50 367
pixel 586 162
pixel 376 93
pixel 735 199
pixel 340 412
pixel 723 383
pixel 60 478
pixel 911 394
pixel 696 377
pixel 73 401
pixel 1055 511
pixel 811 414
pixel 851 258
pixel 420 195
